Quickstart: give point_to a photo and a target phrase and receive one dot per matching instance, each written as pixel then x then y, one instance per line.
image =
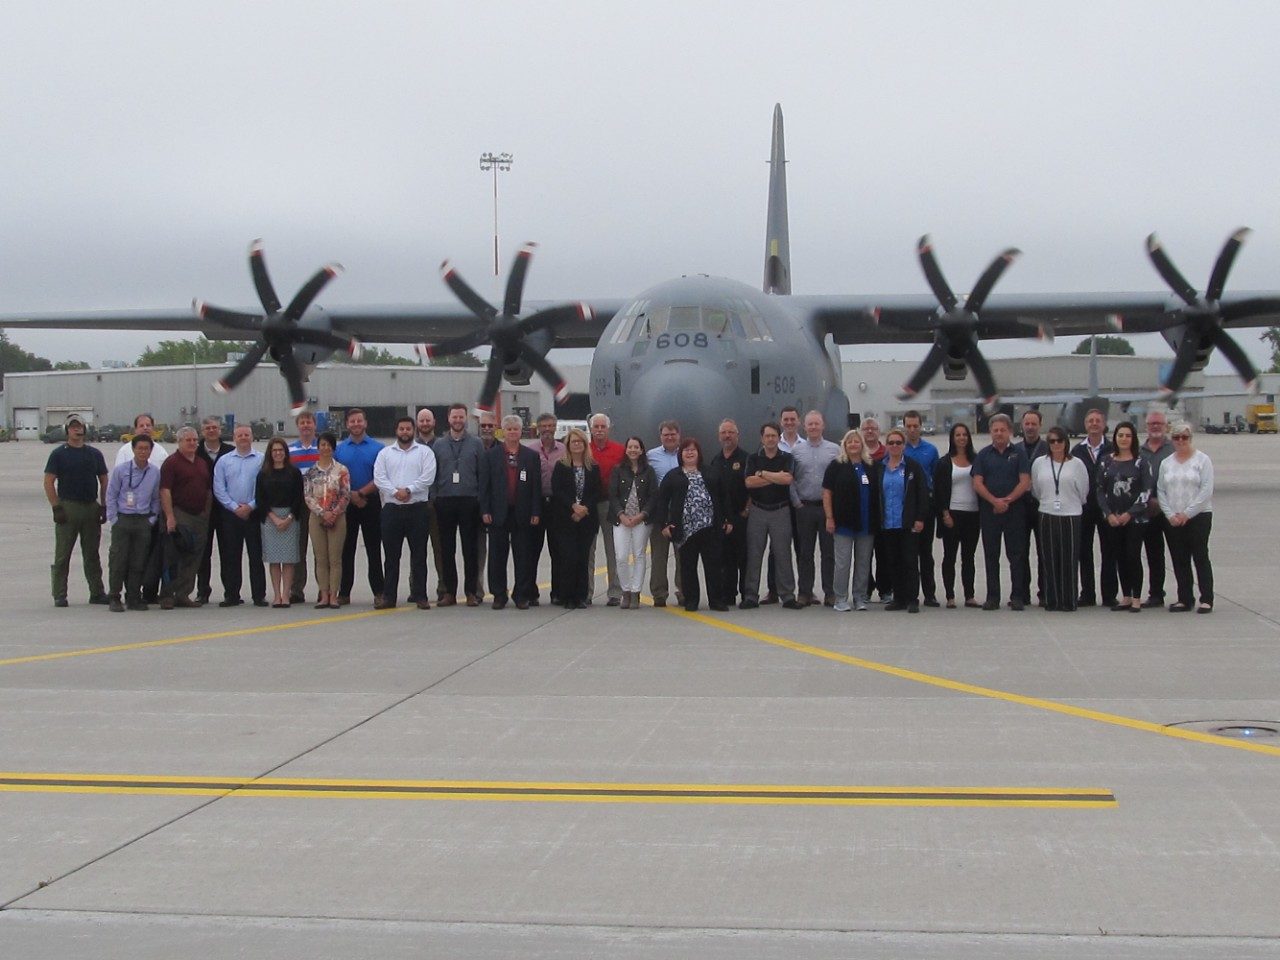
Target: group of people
pixel 868 508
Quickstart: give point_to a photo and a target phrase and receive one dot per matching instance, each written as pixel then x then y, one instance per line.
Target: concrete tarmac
pixel 469 782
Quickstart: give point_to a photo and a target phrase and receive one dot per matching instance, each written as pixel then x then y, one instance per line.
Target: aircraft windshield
pixel 733 320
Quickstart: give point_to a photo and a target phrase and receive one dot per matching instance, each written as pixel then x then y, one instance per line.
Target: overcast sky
pixel 145 145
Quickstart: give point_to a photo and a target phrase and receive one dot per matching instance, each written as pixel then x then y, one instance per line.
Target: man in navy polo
pixel 1001 475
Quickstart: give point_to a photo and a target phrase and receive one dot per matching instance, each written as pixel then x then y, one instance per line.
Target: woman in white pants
pixel 632 487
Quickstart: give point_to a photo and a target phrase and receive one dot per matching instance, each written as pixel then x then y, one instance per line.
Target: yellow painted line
pixel 558 792
pixel 960 686
pixel 222 634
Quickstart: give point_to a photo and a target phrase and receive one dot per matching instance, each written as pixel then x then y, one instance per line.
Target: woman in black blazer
pixel 575 491
pixel 901 481
pixel 633 485
pixel 692 512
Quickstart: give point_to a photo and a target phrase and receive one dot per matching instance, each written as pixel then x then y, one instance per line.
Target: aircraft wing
pixel 408 323
pixel 912 318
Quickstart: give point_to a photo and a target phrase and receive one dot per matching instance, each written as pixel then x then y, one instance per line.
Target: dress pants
pixel 204 579
pixel 733 561
pixel 1032 530
pixel 903 563
pixel 1189 544
pixel 960 539
pixel 237 537
pixel 363 521
pixel 576 580
pixel 327 543
pixel 1154 535
pixel 537 536
pixel 1007 526
pixel 704 544
pixel 516 539
pixel 659 549
pixel 924 551
pixel 401 522
pixel 811 529
pixel 130 545
pixel 771 527
pixel 610 555
pixel 1091 523
pixel 1125 545
pixel 458 516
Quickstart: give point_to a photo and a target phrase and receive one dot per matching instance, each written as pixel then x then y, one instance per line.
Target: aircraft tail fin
pixel 777 243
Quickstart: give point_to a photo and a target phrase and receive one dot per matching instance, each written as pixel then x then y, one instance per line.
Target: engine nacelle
pixel 1204 349
pixel 517 372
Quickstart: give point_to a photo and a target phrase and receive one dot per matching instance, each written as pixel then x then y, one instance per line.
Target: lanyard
pixel 132 485
pixel 1057 475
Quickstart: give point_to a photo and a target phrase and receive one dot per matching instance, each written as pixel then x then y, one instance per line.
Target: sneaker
pixel 841 606
pixel 886 597
pixel 862 605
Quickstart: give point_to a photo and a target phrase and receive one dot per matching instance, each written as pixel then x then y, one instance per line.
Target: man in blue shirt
pixel 357 453
pixel 664 458
pixel 235 478
pixel 926 454
pixel 1001 475
pixel 133 503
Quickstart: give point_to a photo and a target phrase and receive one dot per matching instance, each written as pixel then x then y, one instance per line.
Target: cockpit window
pixel 735 319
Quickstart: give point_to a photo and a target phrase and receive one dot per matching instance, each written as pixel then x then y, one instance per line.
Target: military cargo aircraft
pixel 698 349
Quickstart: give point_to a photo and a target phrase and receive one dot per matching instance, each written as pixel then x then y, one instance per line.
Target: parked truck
pixel 1261 417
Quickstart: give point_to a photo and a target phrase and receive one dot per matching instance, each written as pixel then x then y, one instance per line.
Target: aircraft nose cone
pixel 695 396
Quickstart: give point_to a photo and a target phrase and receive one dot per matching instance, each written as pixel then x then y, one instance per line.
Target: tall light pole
pixel 495 162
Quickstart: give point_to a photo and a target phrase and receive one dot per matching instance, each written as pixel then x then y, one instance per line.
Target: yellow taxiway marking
pixel 219 635
pixel 960 686
pixel 588 792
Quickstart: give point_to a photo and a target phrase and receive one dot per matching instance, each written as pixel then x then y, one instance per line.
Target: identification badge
pixel 1057 504
pixel 524 475
pixel 866 480
pixel 130 499
pixel 457 477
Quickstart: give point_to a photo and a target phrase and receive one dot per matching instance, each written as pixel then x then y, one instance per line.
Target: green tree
pixel 467 359
pixel 1107 347
pixel 170 353
pixel 1272 336
pixel 13 359
pixel 375 357
pixel 71 365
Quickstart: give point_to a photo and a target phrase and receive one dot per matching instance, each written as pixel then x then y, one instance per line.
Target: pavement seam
pixel 8 904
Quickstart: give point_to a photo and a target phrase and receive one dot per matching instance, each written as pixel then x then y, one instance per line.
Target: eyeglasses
pixel 893 443
pixel 1057 440
pixel 1182 436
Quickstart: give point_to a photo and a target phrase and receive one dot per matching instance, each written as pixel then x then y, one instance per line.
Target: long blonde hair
pixel 864 456
pixel 587 459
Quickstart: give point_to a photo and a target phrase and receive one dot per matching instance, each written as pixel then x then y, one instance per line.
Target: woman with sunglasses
pixel 1060 483
pixel 1123 488
pixel 957 504
pixel 904 504
pixel 1185 492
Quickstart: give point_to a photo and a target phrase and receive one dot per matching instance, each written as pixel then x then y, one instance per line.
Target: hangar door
pixel 26 423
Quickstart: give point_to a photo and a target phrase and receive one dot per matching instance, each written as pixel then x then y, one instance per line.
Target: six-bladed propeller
pixel 956 324
pixel 1202 318
pixel 505 332
pixel 277 329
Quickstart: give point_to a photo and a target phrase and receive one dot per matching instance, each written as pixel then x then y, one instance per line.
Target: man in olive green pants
pixel 75 484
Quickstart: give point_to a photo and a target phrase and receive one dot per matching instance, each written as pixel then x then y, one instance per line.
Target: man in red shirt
pixel 608 454
pixel 186 491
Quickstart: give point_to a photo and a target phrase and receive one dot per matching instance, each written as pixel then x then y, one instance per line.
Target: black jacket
pixel 733 480
pixel 620 483
pixel 223 449
pixel 915 493
pixel 279 488
pixel 942 488
pixel 564 492
pixel 493 484
pixel 847 493
pixel 669 506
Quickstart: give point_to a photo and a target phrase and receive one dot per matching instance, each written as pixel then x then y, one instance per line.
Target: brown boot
pixel 626 600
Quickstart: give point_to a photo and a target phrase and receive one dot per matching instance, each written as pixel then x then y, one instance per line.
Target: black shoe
pixel 991 605
pixel 749 605
pixel 155 598
pixel 1087 601
pixel 137 605
pixel 931 601
pixel 915 607
pixel 115 606
pixel 614 601
pixel 720 607
pixel 100 599
pixel 202 597
pixel 1017 606
pixel 769 598
pixel 261 602
pixel 60 602
pixel 1153 603
pixel 895 605
pixel 792 605
pixel 231 602
pixel 534 602
pixel 498 604
pixel 1117 607
pixel 690 608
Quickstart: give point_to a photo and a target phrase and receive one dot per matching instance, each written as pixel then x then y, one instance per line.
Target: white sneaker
pixel 862 605
pixel 842 607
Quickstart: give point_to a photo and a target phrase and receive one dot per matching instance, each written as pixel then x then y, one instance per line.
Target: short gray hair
pixel 208 420
pixel 187 432
pixel 512 420
pixel 600 416
pixel 1000 418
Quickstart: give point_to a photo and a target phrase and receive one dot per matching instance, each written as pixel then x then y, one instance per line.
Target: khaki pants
pixel 82 524
pixel 327 544
pixel 180 569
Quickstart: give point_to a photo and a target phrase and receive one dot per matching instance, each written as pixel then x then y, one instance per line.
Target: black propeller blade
pixel 1202 317
pixel 277 329
pixel 956 324
pixel 505 332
